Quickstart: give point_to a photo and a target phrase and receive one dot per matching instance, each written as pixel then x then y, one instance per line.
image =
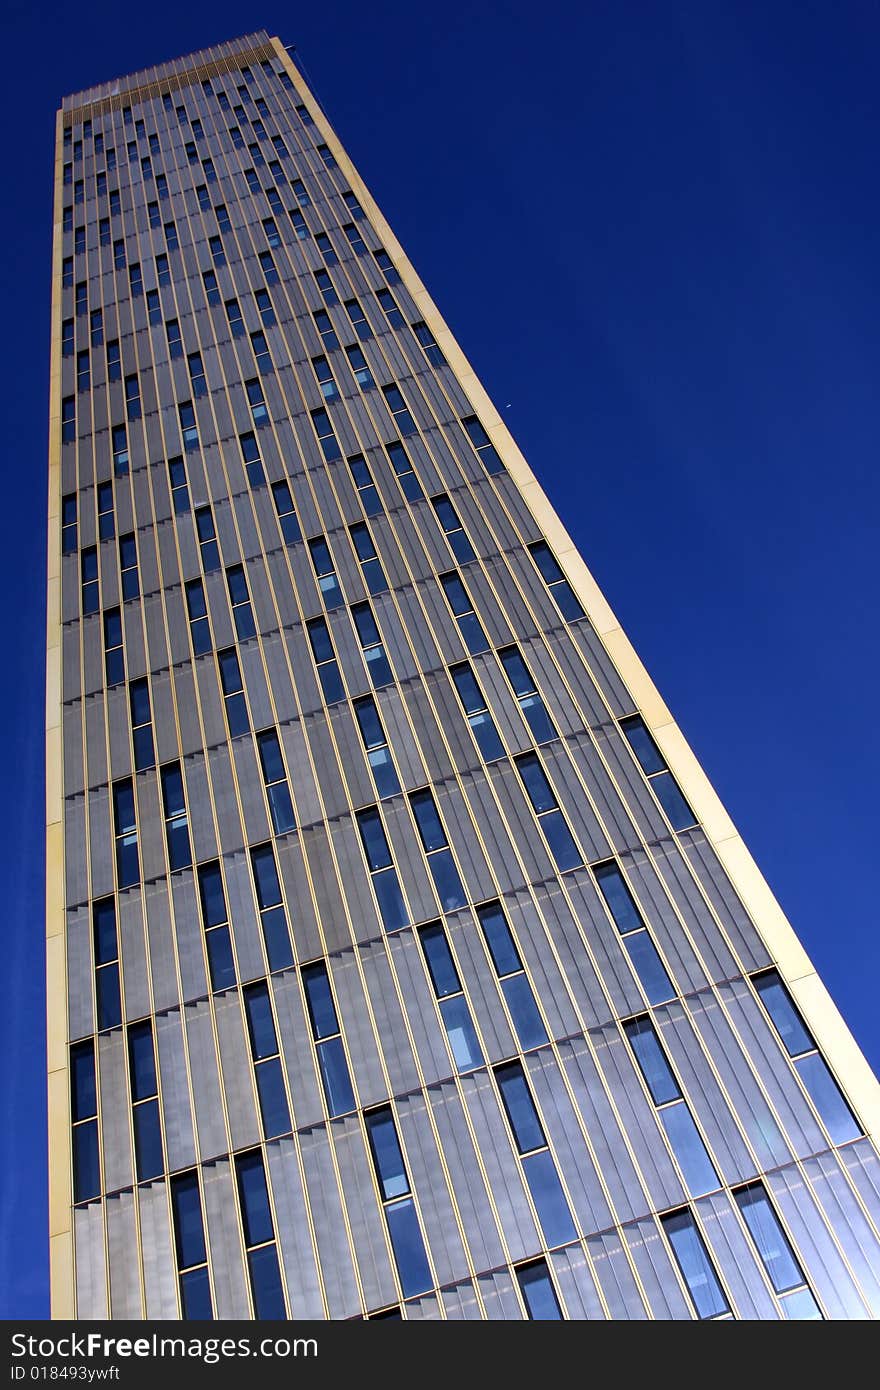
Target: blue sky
pixel 654 230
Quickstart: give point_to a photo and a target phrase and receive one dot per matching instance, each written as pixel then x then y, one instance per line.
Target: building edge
pixel 832 1034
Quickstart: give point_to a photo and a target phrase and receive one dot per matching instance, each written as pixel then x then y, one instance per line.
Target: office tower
pixel 401 959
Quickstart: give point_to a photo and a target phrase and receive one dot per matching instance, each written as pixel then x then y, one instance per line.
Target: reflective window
pixel 693 1260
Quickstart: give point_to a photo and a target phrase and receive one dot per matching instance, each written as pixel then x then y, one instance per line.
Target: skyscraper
pixel 401 959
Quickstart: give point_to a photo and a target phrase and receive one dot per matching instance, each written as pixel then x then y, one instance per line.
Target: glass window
pixel 560 589
pixel 538 1292
pixel 693 1260
pixel 775 1253
pixel 520 1108
pixel 478 717
pixel 529 700
pixel 387 1156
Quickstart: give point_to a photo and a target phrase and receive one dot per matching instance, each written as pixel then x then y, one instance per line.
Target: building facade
pixel 401 959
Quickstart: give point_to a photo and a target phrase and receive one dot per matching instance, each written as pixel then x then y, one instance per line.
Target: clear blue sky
pixel 654 229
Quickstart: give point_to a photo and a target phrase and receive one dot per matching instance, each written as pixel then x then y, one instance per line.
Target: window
pixel 363 480
pixel 358 363
pixel 208 171
pixel 301 194
pixel 400 462
pixel 453 529
pixel 149 1162
pixel 111 159
pixel 353 206
pixel 89 580
pixel 197 374
pixel 233 314
pixel 397 405
pixel 82 297
pixel 119 255
pixel 358 321
pixel 223 222
pixel 300 225
pixel 189 1245
pixel 264 304
pixel 261 351
pixel 100 184
pixel 451 1001
pixel 115 205
pixel 276 205
pixel 67 219
pixel 660 779
pixel 106 947
pixel 154 144
pixel 141 725
pixel 128 566
pixel 389 307
pixel 79 241
pixel 256 155
pixel 696 1267
pixel 135 281
pixel 539 1295
pixel 197 611
pixel 383 875
pixel 104 231
pixel 239 598
pixel 171 240
pixel 96 320
pixel 326 438
pixel 223 101
pixel 515 984
pixel 324 376
pixel 68 524
pixel 215 920
pixel 210 552
pixel 83 370
pixel 304 114
pixel 327 157
pixel 325 285
pixel 174 808
pixel 400 1212
pixel 486 452
pixel 287 519
pixel 537 1161
pixel 527 697
pixel 636 939
pixel 153 214
pixel 271 230
pixel 106 523
pixel 808 1062
pixel 179 487
pixel 188 427
pixel 203 196
pixel 212 289
pixel 383 261
pixel 167 101
pixel 84 1118
pixel 468 623
pixel 371 645
pixel 273 918
pixel 68 420
pixel 325 328
pixel 444 871
pixel 325 572
pixel 162 186
pixel 280 148
pixel 257 400
pixel 436 359
pixel 67 276
pixel 125 834
pixel 371 566
pixel 233 693
pixel 327 1036
pixel 215 246
pixel 376 747
pixel 268 1071
pixel 259 1237
pixel 550 818
pixel 236 136
pixel 672 1110
pixel 325 660
pixel 146 167
pixel 197 129
pixel 132 397
pixel 358 245
pixel 67 338
pixel 175 342
pixel 154 306
pixel 253 464
pixel 560 589
pixel 775 1253
pixel 253 182
pixel 479 719
pixel 325 246
pixel 79 192
pixel 114 362
pixel 275 780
